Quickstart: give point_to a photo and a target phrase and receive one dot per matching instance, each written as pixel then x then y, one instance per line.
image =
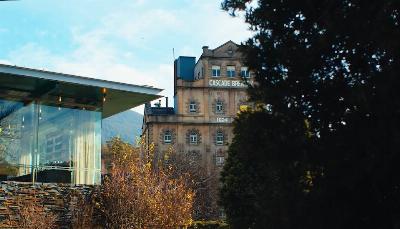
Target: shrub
pixel 85 210
pixel 34 216
pixel 136 194
pixel 208 225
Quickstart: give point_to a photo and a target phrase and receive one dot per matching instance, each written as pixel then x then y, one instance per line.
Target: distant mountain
pixel 126 125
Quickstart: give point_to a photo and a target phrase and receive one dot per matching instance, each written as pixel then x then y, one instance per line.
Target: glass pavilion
pixel 50 123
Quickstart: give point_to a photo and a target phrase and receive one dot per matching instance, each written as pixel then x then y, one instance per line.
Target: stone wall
pixel 56 198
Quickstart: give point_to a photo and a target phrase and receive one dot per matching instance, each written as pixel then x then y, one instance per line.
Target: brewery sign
pixel 227 83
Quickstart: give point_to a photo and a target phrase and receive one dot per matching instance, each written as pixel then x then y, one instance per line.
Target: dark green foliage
pixel 261 175
pixel 208 225
pixel 324 150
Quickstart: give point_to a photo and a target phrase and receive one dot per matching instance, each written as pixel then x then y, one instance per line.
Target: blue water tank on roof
pixel 185 67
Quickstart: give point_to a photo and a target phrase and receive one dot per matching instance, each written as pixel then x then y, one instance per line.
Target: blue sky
pixel 128 41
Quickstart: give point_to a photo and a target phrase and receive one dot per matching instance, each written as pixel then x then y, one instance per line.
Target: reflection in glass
pixel 17 128
pixel 55 144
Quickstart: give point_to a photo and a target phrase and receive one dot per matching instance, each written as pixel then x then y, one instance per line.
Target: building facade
pixel 207 97
pixel 50 123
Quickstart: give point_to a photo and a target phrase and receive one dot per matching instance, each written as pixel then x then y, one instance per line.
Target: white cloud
pixel 32 55
pixel 214 25
pixel 102 52
pixel 137 28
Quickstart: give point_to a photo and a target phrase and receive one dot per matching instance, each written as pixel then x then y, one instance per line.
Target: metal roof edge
pixel 75 79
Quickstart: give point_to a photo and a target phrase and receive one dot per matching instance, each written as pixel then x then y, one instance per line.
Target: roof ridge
pixel 225 44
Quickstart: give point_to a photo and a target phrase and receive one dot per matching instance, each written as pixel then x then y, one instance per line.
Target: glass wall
pixel 42 143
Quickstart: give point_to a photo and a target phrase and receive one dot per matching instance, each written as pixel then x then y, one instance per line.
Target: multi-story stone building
pixel 207 96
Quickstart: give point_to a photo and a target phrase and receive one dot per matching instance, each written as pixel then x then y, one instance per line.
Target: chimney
pixel 205 49
pixel 158 104
pixel 166 101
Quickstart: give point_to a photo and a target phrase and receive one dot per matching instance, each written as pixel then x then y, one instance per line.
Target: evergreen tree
pixel 323 151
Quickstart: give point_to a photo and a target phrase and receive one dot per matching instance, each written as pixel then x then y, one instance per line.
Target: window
pixel 244 72
pixel 219 107
pixel 230 71
pixel 219 160
pixel 220 138
pixel 167 137
pixel 193 138
pixel 222 213
pixel 192 106
pixel 56 145
pixel 216 71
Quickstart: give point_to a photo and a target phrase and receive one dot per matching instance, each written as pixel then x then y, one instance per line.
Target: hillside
pixel 126 125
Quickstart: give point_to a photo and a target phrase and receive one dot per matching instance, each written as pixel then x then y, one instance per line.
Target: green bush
pixel 208 225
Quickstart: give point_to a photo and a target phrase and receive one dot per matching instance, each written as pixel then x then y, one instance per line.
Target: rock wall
pixel 56 198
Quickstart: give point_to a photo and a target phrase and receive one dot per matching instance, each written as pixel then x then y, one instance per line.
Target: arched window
pixel 193 138
pixel 192 106
pixel 219 158
pixel 219 138
pixel 219 107
pixel 167 137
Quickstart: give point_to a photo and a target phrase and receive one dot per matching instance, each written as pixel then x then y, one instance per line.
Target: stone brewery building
pixel 207 96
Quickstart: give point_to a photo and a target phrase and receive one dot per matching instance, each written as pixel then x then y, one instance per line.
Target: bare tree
pixel 135 195
pixel 204 183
